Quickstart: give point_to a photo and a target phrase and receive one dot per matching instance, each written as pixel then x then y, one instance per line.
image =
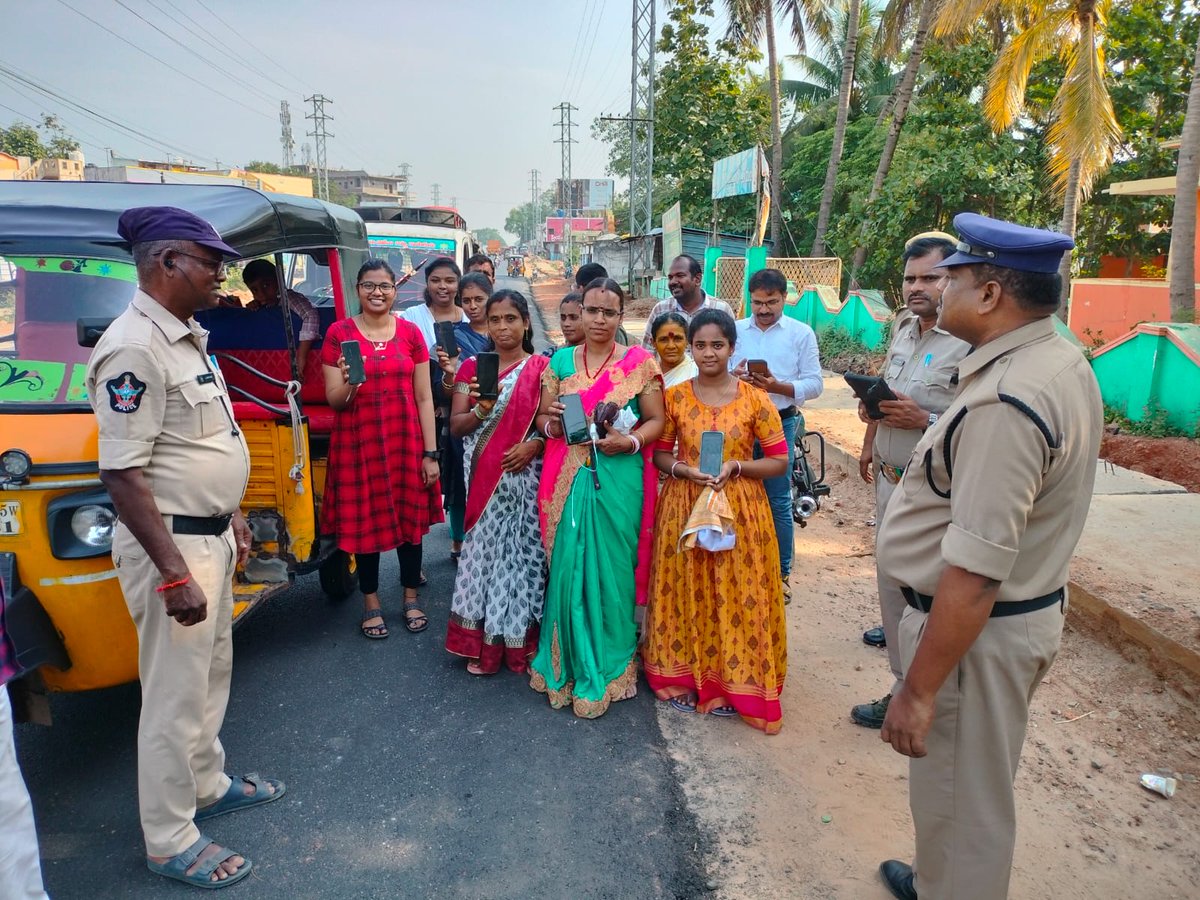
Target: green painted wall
pixel 1149 372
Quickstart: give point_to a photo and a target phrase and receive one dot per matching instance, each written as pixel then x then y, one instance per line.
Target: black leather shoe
pixel 898 877
pixel 874 637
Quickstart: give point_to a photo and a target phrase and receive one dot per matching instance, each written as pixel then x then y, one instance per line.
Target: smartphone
pixel 445 338
pixel 487 373
pixel 354 361
pixel 574 420
pixel 758 367
pixel 870 389
pixel 712 453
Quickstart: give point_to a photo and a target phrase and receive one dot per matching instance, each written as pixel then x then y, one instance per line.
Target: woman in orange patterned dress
pixel 715 634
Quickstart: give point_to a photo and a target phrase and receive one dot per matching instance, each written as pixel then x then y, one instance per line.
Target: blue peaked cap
pixel 1005 244
pixel 169 223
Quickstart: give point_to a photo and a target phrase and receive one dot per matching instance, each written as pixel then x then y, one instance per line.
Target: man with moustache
pixel 687 297
pixel 921 369
pixel 176 465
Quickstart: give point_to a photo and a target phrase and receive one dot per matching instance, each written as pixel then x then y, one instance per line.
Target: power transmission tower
pixel 306 154
pixel 320 135
pixel 405 181
pixel 534 205
pixel 437 194
pixel 641 120
pixel 565 124
pixel 454 202
pixel 285 136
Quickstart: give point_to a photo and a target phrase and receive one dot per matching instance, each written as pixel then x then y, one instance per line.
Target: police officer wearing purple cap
pixel 979 534
pixel 176 465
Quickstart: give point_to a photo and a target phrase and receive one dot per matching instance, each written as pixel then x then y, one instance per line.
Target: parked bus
pixel 409 236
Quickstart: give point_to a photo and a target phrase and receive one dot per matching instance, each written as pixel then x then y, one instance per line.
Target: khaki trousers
pixel 185 673
pixel 891 602
pixel 961 793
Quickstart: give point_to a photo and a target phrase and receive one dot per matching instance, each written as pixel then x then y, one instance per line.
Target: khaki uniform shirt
pixel 922 366
pixel 162 406
pixel 1016 497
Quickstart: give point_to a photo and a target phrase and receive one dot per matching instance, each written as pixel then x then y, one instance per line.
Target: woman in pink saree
pixel 597 512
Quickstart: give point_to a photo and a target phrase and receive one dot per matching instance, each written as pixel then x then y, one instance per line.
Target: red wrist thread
pixel 172 584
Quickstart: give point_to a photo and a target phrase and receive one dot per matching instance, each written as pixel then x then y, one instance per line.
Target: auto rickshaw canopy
pixel 79 218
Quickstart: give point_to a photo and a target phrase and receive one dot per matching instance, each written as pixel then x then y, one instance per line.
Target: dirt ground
pixel 1086 828
pixel 1171 459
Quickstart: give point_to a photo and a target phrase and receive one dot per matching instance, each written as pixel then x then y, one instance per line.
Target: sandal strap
pixel 192 853
pixel 209 866
pixel 372 614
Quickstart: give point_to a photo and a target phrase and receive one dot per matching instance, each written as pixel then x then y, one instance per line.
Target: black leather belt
pixel 213 526
pixel 789 413
pixel 924 603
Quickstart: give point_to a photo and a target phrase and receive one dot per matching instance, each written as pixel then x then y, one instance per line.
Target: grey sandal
pixel 374 632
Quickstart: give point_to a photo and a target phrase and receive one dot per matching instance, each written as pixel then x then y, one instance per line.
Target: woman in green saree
pixel 596 505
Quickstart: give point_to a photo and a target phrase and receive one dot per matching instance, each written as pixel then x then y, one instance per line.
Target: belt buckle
pixel 890 473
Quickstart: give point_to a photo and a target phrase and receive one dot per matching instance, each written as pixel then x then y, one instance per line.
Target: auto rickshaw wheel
pixel 339 575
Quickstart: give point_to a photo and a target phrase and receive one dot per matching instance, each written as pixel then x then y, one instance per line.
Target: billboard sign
pixel 736 175
pixel 581 226
pixel 599 193
pixel 586 194
pixel 672 225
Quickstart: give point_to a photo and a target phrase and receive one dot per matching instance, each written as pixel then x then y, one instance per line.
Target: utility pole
pixel 320 134
pixel 405 181
pixel 437 194
pixel 285 135
pixel 534 205
pixel 565 124
pixel 454 202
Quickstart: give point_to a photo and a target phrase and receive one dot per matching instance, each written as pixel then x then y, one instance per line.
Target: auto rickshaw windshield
pixel 42 298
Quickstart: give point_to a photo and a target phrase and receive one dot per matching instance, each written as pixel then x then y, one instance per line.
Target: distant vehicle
pixel 494 246
pixel 406 236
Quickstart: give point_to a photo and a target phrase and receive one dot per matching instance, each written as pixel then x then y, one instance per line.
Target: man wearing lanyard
pixel 176 465
pixel 687 297
pixel 791 375
pixel 922 371
pixel 20 869
pixel 980 534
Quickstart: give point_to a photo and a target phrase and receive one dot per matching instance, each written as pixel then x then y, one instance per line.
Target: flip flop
pixel 415 624
pixel 724 712
pixel 176 868
pixel 678 704
pixel 236 798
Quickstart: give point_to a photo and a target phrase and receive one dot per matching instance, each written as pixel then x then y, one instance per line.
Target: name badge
pixel 206 378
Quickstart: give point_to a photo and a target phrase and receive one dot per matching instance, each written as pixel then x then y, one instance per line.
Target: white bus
pixel 407 236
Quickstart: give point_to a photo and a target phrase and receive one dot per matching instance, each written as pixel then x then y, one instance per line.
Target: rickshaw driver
pixel 176 465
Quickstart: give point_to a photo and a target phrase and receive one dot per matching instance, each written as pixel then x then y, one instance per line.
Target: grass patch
pixel 1154 423
pixel 842 352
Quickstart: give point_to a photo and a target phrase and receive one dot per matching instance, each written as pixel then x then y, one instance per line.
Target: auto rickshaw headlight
pixel 93 525
pixel 14 465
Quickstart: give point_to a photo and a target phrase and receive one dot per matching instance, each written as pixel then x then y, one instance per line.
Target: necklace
pixel 366 332
pixel 724 397
pixel 607 360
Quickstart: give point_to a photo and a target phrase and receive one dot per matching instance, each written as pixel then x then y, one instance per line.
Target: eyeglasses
pixel 370 287
pixel 215 266
pixel 602 311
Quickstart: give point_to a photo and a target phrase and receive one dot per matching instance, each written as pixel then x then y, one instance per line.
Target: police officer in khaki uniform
pixel 176 466
pixel 979 535
pixel 922 371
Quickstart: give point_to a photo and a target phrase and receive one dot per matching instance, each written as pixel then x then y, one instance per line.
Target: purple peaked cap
pixel 1005 244
pixel 169 223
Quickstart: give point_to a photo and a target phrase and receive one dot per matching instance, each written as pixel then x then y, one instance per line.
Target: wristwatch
pixel 431 454
pixel 933 417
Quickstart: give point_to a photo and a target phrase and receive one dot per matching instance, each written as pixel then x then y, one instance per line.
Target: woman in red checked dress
pixel 381 488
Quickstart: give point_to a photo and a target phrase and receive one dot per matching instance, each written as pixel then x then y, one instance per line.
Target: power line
pixel 163 62
pixel 203 59
pixel 257 50
pixel 583 70
pixel 572 60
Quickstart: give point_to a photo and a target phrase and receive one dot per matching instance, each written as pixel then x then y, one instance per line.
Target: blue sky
pixel 462 91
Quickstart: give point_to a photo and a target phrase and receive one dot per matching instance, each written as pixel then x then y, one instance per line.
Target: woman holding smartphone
pixel 381 487
pixel 501 583
pixel 715 639
pixel 597 513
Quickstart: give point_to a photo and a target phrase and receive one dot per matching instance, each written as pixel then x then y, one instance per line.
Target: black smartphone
pixel 352 353
pixel 758 367
pixel 444 331
pixel 487 373
pixel 870 389
pixel 574 420
pixel 712 453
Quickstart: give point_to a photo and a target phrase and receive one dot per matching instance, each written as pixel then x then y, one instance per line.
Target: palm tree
pixel 895 22
pixel 750 21
pixel 1183 221
pixel 1083 129
pixel 825 211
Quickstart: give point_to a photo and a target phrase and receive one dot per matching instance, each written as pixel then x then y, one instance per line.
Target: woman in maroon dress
pixel 381 488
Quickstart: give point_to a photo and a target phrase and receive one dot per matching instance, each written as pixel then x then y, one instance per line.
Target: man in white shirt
pixel 687 297
pixel 793 375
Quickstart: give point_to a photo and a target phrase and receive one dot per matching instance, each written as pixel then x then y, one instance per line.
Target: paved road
pixel 406 777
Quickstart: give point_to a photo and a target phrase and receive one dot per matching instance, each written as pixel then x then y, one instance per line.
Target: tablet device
pixel 870 389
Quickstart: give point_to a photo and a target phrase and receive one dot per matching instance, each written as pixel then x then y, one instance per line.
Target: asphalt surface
pixel 406 776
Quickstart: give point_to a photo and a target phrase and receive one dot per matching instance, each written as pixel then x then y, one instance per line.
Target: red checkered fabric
pixel 374 500
pixel 8 656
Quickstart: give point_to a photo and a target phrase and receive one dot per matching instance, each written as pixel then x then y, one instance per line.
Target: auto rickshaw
pixel 64 276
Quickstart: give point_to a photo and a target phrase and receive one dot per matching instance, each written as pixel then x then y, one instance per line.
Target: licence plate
pixel 10 517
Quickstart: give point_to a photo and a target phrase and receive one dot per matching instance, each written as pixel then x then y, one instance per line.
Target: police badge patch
pixel 125 392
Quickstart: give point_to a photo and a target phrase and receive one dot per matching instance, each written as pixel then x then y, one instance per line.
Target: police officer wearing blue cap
pixel 979 534
pixel 176 465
